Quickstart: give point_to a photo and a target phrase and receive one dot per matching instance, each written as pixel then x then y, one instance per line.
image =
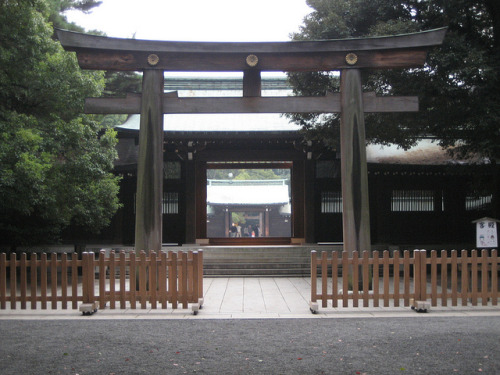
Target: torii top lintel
pixel 104 53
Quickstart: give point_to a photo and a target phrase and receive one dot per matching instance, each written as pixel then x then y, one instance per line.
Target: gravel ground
pixel 417 345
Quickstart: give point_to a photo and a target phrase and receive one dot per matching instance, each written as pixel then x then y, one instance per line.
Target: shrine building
pixel 417 198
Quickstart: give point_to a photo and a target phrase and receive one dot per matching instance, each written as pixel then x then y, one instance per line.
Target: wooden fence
pixel 424 276
pixel 119 281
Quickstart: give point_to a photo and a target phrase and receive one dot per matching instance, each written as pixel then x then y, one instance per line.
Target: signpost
pixel 486 233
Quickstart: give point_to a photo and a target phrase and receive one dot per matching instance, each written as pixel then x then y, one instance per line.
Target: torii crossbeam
pixel 349 56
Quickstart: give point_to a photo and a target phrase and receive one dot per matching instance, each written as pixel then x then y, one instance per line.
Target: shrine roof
pixel 189 123
pixel 247 192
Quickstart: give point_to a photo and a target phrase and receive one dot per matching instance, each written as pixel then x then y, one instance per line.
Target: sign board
pixel 486 233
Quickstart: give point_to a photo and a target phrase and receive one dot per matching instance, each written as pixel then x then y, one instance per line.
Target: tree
pixel 55 164
pixel 457 88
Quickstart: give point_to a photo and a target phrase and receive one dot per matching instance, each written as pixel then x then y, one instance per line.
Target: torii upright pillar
pixel 356 210
pixel 148 217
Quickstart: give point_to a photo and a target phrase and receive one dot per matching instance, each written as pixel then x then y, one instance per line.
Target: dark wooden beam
pixel 277 62
pixel 102 53
pixel 74 41
pixel 293 104
pixel 252 83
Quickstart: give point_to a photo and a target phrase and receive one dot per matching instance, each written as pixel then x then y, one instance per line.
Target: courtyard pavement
pixel 254 298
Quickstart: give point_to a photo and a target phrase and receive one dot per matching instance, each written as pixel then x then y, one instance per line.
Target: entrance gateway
pixel 153 58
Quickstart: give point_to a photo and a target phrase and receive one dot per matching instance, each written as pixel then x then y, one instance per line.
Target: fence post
pixel 88 278
pixel 3 281
pixel 420 303
pixel 313 304
pixel 200 275
pixel 197 265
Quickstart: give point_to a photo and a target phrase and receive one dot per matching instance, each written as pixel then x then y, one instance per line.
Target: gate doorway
pixel 249 202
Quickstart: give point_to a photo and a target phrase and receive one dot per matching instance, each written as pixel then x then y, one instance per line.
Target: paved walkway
pixel 254 298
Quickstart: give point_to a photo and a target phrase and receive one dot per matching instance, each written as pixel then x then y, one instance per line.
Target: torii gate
pixel 349 56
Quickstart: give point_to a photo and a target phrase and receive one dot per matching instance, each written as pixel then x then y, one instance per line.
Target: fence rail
pixel 446 280
pixel 157 280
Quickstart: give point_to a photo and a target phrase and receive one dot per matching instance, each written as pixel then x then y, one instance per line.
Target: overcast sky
pixel 196 20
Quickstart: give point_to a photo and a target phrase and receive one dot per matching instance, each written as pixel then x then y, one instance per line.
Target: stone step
pixel 248 261
pixel 255 272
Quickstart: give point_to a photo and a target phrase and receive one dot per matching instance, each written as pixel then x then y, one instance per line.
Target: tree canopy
pixel 55 164
pixel 457 88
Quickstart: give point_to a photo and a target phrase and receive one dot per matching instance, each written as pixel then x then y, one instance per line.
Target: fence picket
pixel 444 278
pixel 324 279
pixel 64 281
pixel 433 278
pixel 152 279
pixel 366 278
pixel 112 280
pixel 385 267
pixel 484 277
pixel 53 281
pixel 454 278
pixel 376 276
pixel 142 279
pixel 13 281
pixel 345 279
pixel 3 281
pixel 355 278
pixel 123 278
pixel 33 279
pixel 335 273
pixel 74 281
pixel 395 271
pixel 406 275
pixel 183 280
pixel 465 277
pixel 43 280
pixel 474 284
pixel 102 279
pixel 494 277
pixel 133 281
pixel 23 286
pixel 172 279
pixel 162 281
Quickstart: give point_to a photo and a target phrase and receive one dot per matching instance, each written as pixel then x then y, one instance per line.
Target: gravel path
pixel 417 345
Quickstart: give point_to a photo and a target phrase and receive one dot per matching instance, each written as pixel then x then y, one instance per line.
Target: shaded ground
pixel 419 345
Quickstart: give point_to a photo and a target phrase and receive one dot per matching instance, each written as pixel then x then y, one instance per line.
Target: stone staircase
pixel 225 261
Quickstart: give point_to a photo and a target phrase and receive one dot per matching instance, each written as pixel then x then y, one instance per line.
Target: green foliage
pixel 457 88
pixel 55 165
